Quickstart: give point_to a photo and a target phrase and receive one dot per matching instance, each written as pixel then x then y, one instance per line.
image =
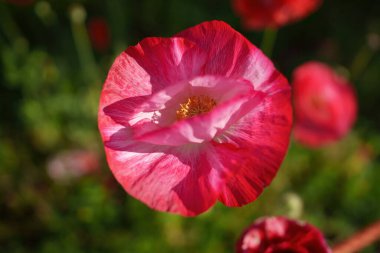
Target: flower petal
pixel 231 55
pixel 164 178
pixel 124 111
pixel 168 61
pixel 260 140
pixel 131 110
pixel 219 88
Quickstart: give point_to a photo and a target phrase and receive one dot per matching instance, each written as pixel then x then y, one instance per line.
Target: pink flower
pixel 195 118
pixel 280 235
pixel 261 14
pixel 324 103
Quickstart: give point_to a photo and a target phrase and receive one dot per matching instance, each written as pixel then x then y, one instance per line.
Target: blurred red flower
pixel 195 118
pixel 280 235
pixel 99 34
pixel 324 103
pixel 261 14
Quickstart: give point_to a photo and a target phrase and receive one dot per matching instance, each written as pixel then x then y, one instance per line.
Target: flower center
pixel 195 105
pixel 318 103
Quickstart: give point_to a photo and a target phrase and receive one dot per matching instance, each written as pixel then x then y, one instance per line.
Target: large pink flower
pixel 281 235
pixel 195 118
pixel 261 14
pixel 324 103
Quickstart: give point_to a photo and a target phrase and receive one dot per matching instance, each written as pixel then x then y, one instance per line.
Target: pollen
pixel 195 105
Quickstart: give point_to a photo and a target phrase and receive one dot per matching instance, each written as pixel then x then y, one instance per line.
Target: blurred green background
pixel 56 191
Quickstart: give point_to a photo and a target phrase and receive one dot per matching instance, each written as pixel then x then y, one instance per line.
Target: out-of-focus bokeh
pixel 56 191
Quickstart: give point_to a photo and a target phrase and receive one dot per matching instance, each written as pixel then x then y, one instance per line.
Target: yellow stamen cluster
pixel 195 105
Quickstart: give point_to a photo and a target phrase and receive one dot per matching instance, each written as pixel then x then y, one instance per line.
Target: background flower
pixel 280 234
pixel 99 34
pixel 71 164
pixel 324 103
pixel 260 14
pixel 183 162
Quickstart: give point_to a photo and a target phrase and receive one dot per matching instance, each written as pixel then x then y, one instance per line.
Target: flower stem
pixel 360 62
pixel 10 29
pixel 82 42
pixel 360 240
pixel 269 39
pixel 365 55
